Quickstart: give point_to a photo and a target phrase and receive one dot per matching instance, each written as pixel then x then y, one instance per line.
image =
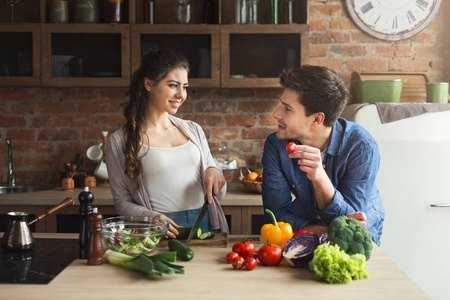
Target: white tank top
pixel 171 177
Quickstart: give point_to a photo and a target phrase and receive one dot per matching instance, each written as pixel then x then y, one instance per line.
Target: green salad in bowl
pixel 133 235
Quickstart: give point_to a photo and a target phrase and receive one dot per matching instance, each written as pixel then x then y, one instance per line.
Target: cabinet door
pixel 255 55
pixel 85 55
pixel 199 43
pixel 20 55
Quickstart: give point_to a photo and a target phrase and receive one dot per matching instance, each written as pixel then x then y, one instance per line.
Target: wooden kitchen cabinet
pixel 199 43
pixel 255 55
pixel 20 55
pixel 102 51
pixel 221 55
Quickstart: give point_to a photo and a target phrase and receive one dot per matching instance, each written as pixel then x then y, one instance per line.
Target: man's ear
pixel 319 118
pixel 147 84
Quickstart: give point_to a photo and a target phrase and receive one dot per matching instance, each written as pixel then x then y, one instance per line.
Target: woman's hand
pixel 359 216
pixel 172 232
pixel 213 181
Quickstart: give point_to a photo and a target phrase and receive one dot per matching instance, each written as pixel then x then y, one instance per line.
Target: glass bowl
pixel 133 235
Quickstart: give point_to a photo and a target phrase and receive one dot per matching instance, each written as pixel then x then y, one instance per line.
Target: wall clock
pixel 392 20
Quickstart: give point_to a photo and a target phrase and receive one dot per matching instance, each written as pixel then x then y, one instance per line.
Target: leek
pixel 158 264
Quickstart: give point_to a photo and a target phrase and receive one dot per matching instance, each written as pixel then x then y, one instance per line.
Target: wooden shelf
pixel 217 52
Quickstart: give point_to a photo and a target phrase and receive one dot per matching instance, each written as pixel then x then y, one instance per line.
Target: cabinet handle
pixel 440 205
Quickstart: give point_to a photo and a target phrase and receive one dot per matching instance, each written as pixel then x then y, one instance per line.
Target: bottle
pixel 289 11
pixel 241 12
pixel 183 12
pixel 113 11
pixel 95 246
pixel 149 11
pixel 86 198
pixel 273 11
pixel 209 12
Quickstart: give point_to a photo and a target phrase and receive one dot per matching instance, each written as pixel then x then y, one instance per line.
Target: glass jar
pixel 114 11
pixel 240 12
pixel 252 11
pixel 183 11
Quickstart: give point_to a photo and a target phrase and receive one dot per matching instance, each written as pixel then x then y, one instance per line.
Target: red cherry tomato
pixel 238 262
pixel 244 249
pixel 250 263
pixel 231 256
pixel 289 147
pixel 270 255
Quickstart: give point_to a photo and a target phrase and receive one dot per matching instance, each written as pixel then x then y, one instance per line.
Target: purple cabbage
pixel 299 250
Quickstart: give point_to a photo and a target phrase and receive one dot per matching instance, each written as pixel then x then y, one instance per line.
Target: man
pixel 335 162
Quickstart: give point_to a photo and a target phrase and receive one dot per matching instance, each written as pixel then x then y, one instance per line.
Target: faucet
pixel 11 174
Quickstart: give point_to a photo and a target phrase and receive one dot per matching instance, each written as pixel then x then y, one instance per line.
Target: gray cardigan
pixel 130 201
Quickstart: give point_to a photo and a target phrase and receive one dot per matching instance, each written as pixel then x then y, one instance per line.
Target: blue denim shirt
pixel 352 161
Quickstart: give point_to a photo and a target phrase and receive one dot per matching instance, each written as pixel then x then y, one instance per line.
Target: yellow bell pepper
pixel 276 233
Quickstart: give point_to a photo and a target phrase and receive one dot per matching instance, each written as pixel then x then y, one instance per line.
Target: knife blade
pixel 198 220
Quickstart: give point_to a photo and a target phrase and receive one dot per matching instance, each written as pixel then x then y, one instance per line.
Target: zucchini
pixel 183 233
pixel 183 251
pixel 207 235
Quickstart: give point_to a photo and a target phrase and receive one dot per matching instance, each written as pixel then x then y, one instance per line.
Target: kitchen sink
pixel 24 188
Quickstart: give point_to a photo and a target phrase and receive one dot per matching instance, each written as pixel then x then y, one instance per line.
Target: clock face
pixel 392 19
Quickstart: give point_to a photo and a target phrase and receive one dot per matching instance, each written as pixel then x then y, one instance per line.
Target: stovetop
pixel 38 265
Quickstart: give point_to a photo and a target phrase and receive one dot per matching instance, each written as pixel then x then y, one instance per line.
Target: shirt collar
pixel 337 136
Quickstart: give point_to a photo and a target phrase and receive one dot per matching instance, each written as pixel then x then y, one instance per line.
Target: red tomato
pixel 231 256
pixel 289 147
pixel 270 255
pixel 250 263
pixel 238 262
pixel 244 249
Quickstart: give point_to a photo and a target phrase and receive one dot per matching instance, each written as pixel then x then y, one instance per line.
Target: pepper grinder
pixel 95 246
pixel 86 198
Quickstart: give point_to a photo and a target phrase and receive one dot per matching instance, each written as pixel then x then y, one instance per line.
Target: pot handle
pixel 66 202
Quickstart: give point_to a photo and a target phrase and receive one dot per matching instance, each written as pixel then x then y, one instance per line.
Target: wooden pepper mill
pixel 95 246
pixel 86 198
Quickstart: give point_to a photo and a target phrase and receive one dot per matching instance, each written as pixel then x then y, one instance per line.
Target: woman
pixel 160 165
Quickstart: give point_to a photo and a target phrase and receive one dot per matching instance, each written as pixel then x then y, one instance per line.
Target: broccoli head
pixel 351 236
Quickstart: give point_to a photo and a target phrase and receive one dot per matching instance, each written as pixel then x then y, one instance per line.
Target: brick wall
pixel 43 122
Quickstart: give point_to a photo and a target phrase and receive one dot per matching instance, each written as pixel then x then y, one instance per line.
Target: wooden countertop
pixel 208 276
pixel 236 195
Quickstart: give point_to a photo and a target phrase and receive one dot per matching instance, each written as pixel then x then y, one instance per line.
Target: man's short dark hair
pixel 320 90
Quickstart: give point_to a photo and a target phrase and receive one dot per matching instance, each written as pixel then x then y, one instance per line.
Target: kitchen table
pixel 208 276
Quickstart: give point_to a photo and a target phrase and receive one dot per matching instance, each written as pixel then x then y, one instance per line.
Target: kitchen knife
pixel 198 220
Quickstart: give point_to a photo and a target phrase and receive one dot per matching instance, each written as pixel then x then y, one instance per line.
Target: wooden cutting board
pixel 218 241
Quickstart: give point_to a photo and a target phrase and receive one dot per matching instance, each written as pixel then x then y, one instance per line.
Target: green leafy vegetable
pixel 131 242
pixel 351 236
pixel 333 265
pixel 158 264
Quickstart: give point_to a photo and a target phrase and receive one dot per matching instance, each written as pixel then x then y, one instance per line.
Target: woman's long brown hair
pixel 154 66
